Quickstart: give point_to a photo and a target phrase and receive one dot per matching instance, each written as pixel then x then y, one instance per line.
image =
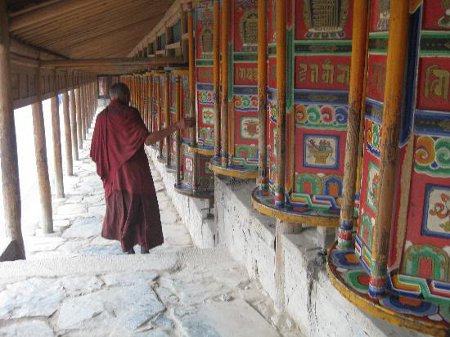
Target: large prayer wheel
pixel 196 146
pixel 399 268
pixel 237 150
pixel 308 73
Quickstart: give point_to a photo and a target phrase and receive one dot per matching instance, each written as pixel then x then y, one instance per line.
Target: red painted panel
pixel 245 74
pixel 272 73
pixel 244 10
pixel 434 84
pixel 322 72
pixel 436 15
pixel 204 23
pixel 379 15
pixel 246 129
pixel 337 25
pixel 302 136
pixel 205 74
pixel 271 20
pixel 376 77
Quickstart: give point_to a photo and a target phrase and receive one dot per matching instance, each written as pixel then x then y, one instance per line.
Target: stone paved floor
pixel 75 283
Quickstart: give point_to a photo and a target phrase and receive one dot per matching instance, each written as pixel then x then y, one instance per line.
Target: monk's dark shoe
pixel 144 251
pixel 131 251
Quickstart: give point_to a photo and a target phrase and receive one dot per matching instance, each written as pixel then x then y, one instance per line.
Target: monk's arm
pixel 160 135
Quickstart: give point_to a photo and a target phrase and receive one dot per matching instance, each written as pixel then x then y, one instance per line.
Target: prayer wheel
pixel 308 49
pixel 196 146
pixel 238 125
pixel 397 266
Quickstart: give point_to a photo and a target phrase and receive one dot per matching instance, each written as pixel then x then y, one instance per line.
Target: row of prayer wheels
pixel 339 110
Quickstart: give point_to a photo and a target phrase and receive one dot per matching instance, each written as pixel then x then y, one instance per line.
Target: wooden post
pixel 56 137
pixel 82 112
pixel 167 108
pixel 159 114
pixel 145 98
pixel 395 71
pixel 135 96
pixel 192 97
pixel 216 60
pixel 225 64
pixel 40 148
pixel 79 118
pixel 95 98
pixel 85 109
pixel 191 60
pixel 178 132
pixel 88 106
pixel 150 104
pixel 355 98
pixel 263 181
pixel 281 103
pixel 139 93
pixel 8 143
pixel 73 124
pixel 67 136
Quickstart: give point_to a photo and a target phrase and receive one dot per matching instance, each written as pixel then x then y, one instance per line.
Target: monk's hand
pixel 186 123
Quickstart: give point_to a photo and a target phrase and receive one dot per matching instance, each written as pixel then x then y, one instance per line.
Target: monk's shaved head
pixel 120 92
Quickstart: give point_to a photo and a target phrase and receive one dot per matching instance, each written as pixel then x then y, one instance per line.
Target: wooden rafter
pixel 46 13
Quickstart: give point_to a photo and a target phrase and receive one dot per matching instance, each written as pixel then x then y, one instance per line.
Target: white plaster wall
pixel 249 236
pixel 309 297
pixel 192 211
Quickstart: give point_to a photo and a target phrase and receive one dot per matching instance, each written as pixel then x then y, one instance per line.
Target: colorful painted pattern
pixel 321 116
pixel 408 298
pixel 432 156
pixel 246 102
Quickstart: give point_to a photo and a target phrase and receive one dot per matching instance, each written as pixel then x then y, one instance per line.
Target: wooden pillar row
pixel 56 137
pixel 159 115
pixel 73 125
pixel 178 132
pixel 67 134
pixel 167 109
pixel 79 117
pixel 85 108
pixel 8 143
pixel 40 147
pixel 150 104
pixel 144 99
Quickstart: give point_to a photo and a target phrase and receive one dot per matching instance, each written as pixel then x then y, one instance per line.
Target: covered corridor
pixel 75 283
pixel 317 156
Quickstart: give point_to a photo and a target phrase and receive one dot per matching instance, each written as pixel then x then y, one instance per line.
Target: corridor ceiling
pixel 84 29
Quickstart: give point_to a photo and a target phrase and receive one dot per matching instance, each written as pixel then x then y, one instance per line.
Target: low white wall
pixel 308 295
pixel 192 211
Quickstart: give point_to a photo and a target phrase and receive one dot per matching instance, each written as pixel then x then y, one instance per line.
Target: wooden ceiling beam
pixel 70 20
pixel 103 33
pixel 32 8
pixel 109 43
pixel 104 62
pixel 26 49
pixel 46 13
pixel 99 28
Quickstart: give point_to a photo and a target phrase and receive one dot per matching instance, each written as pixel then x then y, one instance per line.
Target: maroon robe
pixel 132 212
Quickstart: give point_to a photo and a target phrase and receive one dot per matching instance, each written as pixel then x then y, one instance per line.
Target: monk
pixel 132 211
